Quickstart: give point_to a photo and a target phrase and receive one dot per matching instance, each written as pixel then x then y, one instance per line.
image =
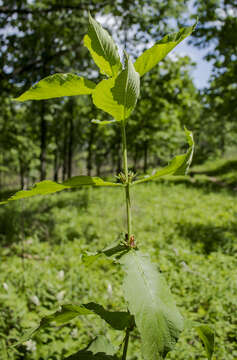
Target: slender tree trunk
pixel 55 172
pixel 90 153
pixel 22 179
pixel 65 149
pixel 70 145
pixel 145 156
pixel 43 135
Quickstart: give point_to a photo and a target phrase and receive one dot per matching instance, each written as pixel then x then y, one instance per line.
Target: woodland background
pixel 188 223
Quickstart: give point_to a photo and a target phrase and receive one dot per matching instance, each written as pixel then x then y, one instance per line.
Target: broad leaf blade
pixel 149 300
pixel 101 345
pixel 116 250
pixel 207 336
pixel 58 85
pixel 118 96
pixel 156 53
pixel 119 320
pixel 102 48
pixel 179 165
pixel 76 181
pixel 60 317
pixel 49 187
pixel 103 99
pixel 42 188
pixel 127 87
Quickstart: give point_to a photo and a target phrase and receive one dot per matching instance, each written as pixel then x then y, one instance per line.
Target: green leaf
pixel 149 300
pixel 101 344
pixel 99 349
pixel 58 85
pixel 207 336
pixel 60 317
pixel 77 181
pixel 102 48
pixel 156 53
pixel 49 187
pixel 118 320
pixel 205 333
pixel 179 165
pixel 42 188
pixel 115 249
pixel 118 96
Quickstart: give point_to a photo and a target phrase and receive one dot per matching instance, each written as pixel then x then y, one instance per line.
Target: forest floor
pixel 188 226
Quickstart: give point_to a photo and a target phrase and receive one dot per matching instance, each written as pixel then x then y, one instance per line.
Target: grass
pixel 189 231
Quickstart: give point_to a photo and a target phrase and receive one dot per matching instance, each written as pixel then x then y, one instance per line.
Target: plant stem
pixel 125 348
pixel 127 187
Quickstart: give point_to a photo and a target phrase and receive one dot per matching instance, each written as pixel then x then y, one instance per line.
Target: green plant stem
pixel 125 347
pixel 127 185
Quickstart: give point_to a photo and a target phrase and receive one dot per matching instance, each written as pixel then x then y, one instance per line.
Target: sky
pixel 203 69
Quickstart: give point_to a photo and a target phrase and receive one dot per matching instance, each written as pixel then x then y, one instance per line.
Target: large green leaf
pixel 49 187
pixel 179 165
pixel 118 96
pixel 118 320
pixel 156 53
pixel 102 48
pixel 149 300
pixel 58 85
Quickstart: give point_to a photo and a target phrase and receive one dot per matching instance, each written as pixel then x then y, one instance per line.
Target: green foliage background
pixel 189 232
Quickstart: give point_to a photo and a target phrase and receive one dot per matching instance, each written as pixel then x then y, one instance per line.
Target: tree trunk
pixel 55 172
pixel 70 144
pixel 65 149
pixel 145 157
pixel 90 153
pixel 43 134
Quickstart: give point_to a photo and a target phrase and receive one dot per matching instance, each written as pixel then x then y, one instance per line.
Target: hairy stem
pixel 127 187
pixel 125 347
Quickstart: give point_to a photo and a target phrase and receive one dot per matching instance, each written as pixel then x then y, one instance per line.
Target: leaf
pixel 115 249
pixel 49 187
pixel 42 188
pixel 99 349
pixel 118 320
pixel 179 165
pixel 58 85
pixel 149 300
pixel 127 87
pixel 76 181
pixel 205 333
pixel 101 344
pixel 102 48
pixel 207 336
pixel 60 317
pixel 156 53
pixel 118 96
